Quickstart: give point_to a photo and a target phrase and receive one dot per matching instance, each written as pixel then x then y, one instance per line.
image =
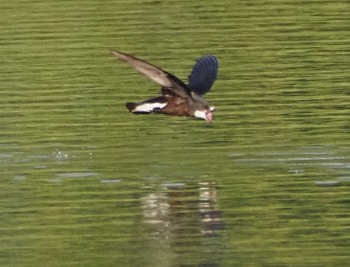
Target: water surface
pixel 85 183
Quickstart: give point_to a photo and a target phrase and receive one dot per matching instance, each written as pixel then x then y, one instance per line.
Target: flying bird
pixel 177 98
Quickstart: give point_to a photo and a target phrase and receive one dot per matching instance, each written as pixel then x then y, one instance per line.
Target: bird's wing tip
pixel 114 52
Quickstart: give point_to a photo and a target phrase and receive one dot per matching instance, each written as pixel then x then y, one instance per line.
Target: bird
pixel 177 98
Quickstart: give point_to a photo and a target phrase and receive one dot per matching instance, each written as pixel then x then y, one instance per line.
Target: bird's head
pixel 202 109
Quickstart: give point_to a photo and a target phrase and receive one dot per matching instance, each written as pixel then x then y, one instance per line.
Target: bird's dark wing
pixel 203 74
pixel 165 79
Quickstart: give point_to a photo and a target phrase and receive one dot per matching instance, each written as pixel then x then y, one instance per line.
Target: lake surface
pixel 86 183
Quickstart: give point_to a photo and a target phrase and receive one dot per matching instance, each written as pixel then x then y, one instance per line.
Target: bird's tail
pixel 131 106
pixel 138 108
pixel 146 107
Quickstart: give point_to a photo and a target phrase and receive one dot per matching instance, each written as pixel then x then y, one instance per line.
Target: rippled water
pixel 85 183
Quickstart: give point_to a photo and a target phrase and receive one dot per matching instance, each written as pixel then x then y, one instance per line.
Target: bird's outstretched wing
pixel 165 79
pixel 203 74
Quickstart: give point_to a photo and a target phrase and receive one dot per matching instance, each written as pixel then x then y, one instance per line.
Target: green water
pixel 85 183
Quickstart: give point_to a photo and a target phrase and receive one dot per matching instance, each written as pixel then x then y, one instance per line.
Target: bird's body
pixel 177 98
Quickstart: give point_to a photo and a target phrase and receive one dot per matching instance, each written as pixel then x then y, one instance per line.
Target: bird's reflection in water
pixel 182 217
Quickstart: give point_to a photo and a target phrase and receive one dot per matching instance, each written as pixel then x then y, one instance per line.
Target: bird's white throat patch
pixel 200 114
pixel 148 107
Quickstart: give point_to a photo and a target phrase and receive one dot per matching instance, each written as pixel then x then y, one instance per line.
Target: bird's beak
pixel 209 116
